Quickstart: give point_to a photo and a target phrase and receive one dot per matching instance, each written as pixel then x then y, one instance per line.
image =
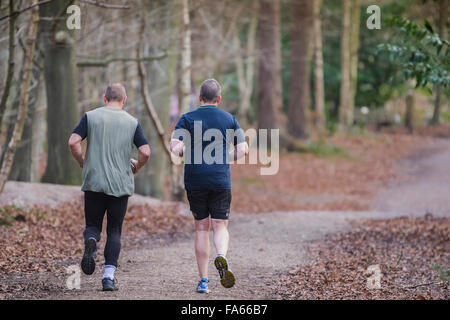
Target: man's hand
pixel 143 156
pixel 240 150
pixel 134 164
pixel 176 147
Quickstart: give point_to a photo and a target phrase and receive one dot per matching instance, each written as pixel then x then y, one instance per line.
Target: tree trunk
pixel 270 108
pixel 410 106
pixel 344 102
pixel 62 94
pixel 22 167
pixel 24 95
pixel 299 86
pixel 437 106
pixel 319 84
pixel 442 22
pixel 39 132
pixel 354 47
pixel 27 158
pixel 10 70
pixel 185 58
pixel 247 73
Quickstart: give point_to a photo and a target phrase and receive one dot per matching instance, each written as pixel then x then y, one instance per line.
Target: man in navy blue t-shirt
pixel 204 136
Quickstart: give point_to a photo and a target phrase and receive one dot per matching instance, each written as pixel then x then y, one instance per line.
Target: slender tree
pixel 345 117
pixel 299 87
pixel 245 64
pixel 319 90
pixel 24 95
pixel 442 30
pixel 185 58
pixel 354 47
pixel 10 70
pixel 410 110
pixel 24 166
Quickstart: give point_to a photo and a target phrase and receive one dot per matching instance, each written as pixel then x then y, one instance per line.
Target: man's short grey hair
pixel 210 90
pixel 115 92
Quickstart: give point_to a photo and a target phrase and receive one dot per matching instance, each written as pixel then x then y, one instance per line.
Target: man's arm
pixel 240 150
pixel 79 133
pixel 144 153
pixel 75 148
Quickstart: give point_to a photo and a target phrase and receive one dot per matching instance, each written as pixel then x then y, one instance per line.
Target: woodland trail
pixel 264 245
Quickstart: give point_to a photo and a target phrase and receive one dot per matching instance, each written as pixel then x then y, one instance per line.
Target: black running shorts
pixel 214 203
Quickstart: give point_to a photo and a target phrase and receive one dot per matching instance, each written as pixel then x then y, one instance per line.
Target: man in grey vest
pixel 108 178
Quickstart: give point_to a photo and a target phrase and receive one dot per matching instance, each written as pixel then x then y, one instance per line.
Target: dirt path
pixel 427 189
pixel 264 245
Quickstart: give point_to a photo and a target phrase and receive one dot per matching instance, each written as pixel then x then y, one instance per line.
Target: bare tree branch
pixel 421 285
pixel 16 13
pixel 104 5
pixel 150 108
pixel 107 61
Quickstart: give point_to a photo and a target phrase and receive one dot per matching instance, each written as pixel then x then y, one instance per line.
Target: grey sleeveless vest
pixel 109 143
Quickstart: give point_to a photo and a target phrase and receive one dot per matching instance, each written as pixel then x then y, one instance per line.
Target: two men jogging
pixel 108 176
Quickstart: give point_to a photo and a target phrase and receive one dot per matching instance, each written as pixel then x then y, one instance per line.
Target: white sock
pixel 109 272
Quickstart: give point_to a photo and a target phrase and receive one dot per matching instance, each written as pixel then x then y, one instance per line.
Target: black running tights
pixel 95 206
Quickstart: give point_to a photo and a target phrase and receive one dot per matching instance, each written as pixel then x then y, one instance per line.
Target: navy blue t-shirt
pixel 208 170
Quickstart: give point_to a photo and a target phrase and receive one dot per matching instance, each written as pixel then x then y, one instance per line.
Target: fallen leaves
pixel 407 261
pixel 39 242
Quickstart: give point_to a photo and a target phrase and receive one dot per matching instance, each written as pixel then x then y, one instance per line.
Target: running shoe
pixel 109 284
pixel 203 286
pixel 88 261
pixel 227 278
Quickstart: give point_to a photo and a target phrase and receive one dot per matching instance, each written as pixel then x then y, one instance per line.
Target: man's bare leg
pixel 202 246
pixel 221 239
pixel 221 236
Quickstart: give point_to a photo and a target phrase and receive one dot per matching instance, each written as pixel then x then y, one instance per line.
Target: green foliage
pixel 248 180
pixel 444 273
pixel 6 219
pixel 419 52
pixel 321 149
pixel 15 213
pixel 5 222
pixel 445 116
pixel 376 83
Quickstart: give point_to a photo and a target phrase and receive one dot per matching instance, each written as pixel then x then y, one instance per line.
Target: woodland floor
pixel 309 232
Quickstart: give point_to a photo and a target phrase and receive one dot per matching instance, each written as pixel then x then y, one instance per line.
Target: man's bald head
pixel 115 92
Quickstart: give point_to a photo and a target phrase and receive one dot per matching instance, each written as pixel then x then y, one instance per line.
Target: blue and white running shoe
pixel 203 286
